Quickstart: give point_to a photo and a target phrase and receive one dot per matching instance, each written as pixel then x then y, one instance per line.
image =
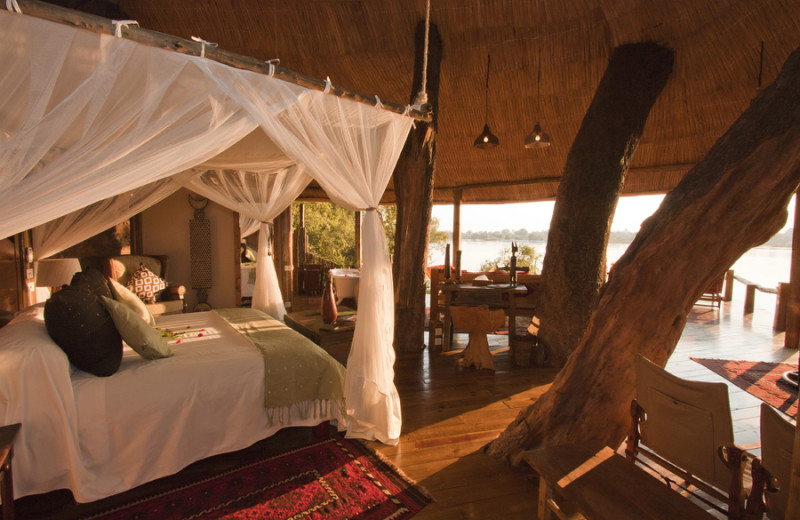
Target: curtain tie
pixel 203 44
pixel 118 24
pixel 12 5
pixel 271 64
pixel 267 227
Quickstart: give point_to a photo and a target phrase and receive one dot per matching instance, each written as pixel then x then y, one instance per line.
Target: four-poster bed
pixel 97 128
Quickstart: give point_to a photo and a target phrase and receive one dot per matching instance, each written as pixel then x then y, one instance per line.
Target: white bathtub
pixel 345 283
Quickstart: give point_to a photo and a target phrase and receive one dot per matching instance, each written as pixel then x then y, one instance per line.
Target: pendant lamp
pixel 487 139
pixel 538 138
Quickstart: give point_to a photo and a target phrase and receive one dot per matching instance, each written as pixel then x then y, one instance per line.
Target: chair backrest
pixel 122 267
pixel 777 438
pixel 125 265
pixel 686 421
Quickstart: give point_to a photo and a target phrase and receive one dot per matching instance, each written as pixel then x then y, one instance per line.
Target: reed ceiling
pixel 368 46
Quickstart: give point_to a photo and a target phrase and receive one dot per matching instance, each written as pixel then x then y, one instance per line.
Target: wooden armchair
pixel 683 429
pixel 122 267
pixel 777 447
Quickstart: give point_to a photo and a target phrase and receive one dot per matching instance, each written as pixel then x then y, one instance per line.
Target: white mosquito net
pixel 94 129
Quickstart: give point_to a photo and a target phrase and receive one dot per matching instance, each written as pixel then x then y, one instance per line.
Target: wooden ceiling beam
pixel 137 34
pixel 545 180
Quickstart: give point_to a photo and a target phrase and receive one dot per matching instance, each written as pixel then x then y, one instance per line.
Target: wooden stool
pixel 7 436
pixel 478 322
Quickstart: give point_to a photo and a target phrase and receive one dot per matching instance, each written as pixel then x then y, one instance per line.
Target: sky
pixel 535 216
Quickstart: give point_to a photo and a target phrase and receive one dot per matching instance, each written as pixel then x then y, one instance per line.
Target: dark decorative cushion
pixel 94 281
pixel 146 285
pixel 79 323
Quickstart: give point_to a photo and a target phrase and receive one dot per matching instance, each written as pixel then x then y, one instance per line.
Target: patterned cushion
pixel 146 285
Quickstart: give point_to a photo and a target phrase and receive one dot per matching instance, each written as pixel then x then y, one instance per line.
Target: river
pixel 765 266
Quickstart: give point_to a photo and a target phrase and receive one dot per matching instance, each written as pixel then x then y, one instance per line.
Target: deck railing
pixel 781 301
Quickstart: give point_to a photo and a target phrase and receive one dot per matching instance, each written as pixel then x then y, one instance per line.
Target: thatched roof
pixel 368 45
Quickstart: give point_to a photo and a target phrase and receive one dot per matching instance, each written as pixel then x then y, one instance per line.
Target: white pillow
pixel 141 337
pixel 126 296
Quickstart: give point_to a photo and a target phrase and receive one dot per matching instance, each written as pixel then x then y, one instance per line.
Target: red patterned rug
pixel 335 478
pixel 759 378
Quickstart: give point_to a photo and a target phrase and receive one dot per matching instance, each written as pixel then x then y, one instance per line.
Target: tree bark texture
pixel 574 266
pixel 413 183
pixel 735 198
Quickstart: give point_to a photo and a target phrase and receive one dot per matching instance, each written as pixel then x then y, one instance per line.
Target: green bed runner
pixel 297 373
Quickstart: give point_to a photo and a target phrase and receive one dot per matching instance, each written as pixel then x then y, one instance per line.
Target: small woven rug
pixel 335 478
pixel 759 378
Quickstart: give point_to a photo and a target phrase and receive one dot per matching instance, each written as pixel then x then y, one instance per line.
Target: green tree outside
pixel 330 230
pixel 526 257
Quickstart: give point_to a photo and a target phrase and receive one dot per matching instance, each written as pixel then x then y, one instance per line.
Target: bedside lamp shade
pixel 55 272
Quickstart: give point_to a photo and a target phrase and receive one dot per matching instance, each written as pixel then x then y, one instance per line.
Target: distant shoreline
pixel 782 239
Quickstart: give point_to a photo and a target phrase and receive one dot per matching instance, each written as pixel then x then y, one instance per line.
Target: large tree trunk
pixel 413 183
pixel 574 265
pixel 732 200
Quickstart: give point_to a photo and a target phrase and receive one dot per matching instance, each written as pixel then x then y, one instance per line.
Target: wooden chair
pixel 712 296
pixel 122 267
pixel 683 430
pixel 777 438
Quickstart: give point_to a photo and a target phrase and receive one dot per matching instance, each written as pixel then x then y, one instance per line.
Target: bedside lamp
pixel 55 272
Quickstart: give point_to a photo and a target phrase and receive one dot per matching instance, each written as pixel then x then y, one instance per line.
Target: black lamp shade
pixel 537 138
pixel 487 139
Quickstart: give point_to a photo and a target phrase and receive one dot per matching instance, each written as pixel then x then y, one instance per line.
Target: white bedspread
pixel 100 436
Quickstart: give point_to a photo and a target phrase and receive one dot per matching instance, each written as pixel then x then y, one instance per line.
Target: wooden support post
pixel 358 239
pixel 729 281
pixel 593 178
pixel 750 298
pixel 792 337
pixel 299 246
pixel 457 196
pixel 781 306
pixel 413 183
pixel 282 254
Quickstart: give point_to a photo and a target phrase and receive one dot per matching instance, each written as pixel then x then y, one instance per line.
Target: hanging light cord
pixel 760 65
pixel 488 65
pixel 539 87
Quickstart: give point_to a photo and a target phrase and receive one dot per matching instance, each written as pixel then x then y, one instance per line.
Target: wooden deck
pixel 450 413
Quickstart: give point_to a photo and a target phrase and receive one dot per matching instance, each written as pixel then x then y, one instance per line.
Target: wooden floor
pixel 451 412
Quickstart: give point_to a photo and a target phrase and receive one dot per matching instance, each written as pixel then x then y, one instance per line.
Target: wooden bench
pixel 576 481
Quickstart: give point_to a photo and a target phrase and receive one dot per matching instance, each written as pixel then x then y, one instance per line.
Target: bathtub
pixel 345 284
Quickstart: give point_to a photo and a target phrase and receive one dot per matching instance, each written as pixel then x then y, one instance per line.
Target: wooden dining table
pixel 494 295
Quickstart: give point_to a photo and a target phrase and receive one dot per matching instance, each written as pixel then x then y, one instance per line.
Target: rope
pixel 203 44
pixel 422 95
